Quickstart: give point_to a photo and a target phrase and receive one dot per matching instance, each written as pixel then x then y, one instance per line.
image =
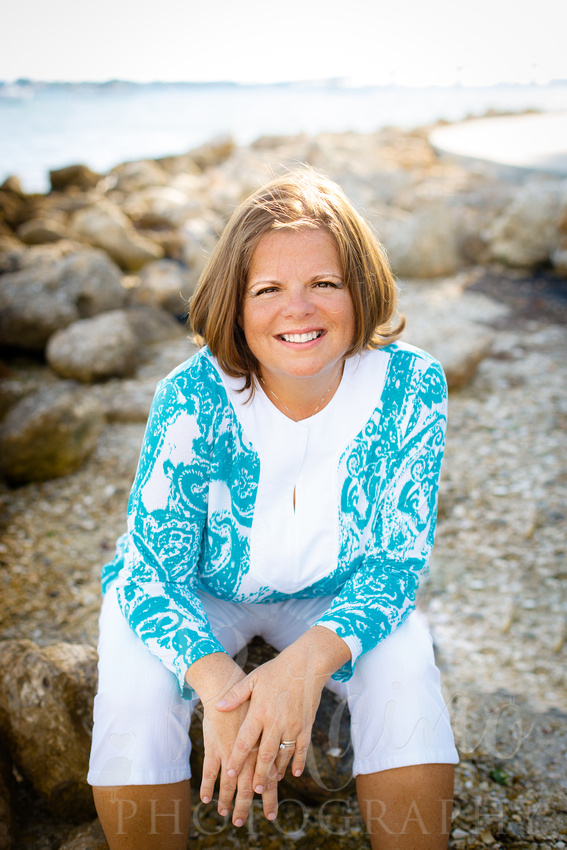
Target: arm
pixel 402 463
pixel 166 519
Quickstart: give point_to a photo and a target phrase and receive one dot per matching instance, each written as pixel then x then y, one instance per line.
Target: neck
pixel 301 398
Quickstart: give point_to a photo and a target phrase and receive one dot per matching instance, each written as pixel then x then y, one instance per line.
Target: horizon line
pixel 336 82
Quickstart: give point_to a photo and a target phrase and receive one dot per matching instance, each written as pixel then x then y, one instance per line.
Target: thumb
pixel 236 696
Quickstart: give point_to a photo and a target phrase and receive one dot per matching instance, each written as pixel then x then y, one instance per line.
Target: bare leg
pixel 408 808
pixel 145 817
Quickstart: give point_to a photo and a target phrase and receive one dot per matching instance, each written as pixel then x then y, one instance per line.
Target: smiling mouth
pixel 298 338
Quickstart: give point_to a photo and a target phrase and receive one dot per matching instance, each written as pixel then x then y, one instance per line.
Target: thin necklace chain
pixel 318 406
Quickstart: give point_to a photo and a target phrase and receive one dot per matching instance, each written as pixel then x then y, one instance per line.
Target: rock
pixel 328 772
pixel 45 717
pixel 559 255
pixel 151 325
pixel 37 231
pixel 45 294
pixel 49 433
pixel 527 232
pixel 73 175
pixel 86 837
pixel 135 176
pixel 422 244
pixel 450 325
pixel 198 239
pixel 213 153
pixel 94 349
pixel 559 261
pixel 165 284
pixel 161 206
pixel 8 242
pixel 105 226
pixel 129 402
pixel 12 184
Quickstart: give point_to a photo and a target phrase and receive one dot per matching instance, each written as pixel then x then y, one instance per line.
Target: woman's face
pixel 297 314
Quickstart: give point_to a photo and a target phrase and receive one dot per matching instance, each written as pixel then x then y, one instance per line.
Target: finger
pixel 283 759
pixel 236 696
pixel 245 744
pixel 270 796
pixel 244 794
pixel 266 756
pixel 300 755
pixel 227 788
pixel 211 767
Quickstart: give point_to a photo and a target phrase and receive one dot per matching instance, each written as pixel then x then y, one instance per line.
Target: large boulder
pixel 105 226
pixel 151 325
pixel 422 244
pixel 450 324
pixel 79 176
pixel 45 293
pixel 161 206
pixel 165 284
pixel 38 231
pixel 94 349
pixel 138 175
pixel 49 433
pixel 89 836
pixel 46 700
pixel 528 232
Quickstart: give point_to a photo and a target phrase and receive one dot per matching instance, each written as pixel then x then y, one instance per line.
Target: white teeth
pixel 301 337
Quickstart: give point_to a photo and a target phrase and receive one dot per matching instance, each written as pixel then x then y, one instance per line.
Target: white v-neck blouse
pixel 212 506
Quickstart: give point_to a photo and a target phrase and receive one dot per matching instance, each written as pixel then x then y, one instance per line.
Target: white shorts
pixel 141 722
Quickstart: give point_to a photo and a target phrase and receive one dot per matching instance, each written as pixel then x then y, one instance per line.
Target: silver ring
pixel 285 744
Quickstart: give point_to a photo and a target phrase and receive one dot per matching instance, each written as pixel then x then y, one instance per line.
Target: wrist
pixel 212 676
pixel 319 652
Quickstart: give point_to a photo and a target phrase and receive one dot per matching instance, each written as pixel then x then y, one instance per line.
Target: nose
pixel 299 301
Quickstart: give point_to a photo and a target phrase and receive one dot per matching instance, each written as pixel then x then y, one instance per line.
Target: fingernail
pixel 223 813
pixel 231 773
pixel 259 789
pixel 205 799
pixel 297 772
pixel 272 815
pixel 239 822
pixel 280 777
pixel 221 704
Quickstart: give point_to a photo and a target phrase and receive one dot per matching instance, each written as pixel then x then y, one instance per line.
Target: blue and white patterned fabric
pixel 233 498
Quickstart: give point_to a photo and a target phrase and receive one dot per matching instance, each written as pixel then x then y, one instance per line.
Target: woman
pixel 286 488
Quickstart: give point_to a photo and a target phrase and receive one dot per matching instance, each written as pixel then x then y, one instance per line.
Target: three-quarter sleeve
pixel 389 500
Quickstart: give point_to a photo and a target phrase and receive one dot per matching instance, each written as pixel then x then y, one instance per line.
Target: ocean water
pixel 45 126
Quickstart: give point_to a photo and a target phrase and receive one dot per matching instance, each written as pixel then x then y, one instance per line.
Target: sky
pixel 409 42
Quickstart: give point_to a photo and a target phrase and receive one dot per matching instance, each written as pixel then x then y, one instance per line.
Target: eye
pixel 264 290
pixel 327 284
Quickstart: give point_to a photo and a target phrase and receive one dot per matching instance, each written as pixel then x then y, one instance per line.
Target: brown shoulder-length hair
pixel 298 199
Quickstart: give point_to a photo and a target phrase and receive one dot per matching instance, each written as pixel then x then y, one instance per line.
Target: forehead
pixel 309 251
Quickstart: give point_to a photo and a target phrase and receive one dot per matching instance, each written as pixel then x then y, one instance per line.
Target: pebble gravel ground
pixel 496 598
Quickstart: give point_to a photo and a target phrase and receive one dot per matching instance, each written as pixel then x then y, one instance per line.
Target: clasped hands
pixel 243 732
pixel 245 718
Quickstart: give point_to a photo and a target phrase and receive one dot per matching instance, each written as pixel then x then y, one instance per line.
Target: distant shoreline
pixel 331 83
pixel 49 125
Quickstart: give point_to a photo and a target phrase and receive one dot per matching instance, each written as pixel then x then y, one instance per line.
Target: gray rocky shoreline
pixel 93 279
